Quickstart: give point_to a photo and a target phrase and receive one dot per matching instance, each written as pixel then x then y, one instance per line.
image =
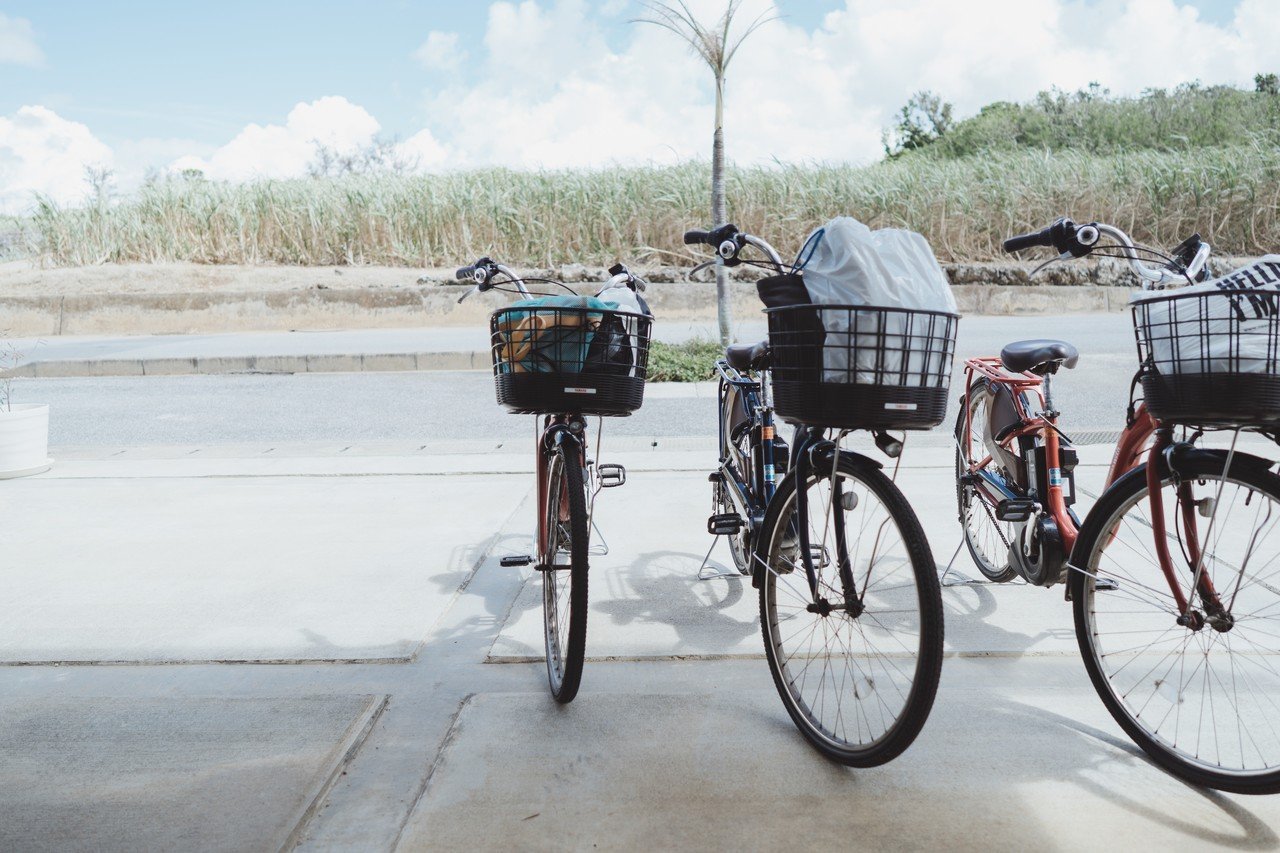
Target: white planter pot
pixel 24 440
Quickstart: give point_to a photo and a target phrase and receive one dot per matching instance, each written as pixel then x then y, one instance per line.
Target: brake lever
pixel 700 267
pixel 475 289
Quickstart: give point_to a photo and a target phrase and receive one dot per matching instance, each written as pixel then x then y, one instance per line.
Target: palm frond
pixel 716 44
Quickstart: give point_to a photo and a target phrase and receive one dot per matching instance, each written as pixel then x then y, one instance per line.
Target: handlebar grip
pixel 694 238
pixel 465 273
pixel 1029 241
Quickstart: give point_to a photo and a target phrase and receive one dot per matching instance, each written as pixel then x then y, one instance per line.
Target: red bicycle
pixel 1174 575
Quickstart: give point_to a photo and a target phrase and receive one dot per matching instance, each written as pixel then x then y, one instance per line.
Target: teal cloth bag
pixel 544 340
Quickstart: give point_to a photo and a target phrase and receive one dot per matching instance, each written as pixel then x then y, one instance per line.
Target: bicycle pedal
pixel 724 524
pixel 515 560
pixel 715 477
pixel 611 476
pixel 1015 509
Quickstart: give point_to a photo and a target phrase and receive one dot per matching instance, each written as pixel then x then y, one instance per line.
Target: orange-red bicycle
pixel 1174 575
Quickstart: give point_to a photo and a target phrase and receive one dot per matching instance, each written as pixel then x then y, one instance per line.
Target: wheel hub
pixel 822 607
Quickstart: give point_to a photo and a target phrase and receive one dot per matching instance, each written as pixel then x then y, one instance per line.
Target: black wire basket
pixel 1211 359
pixel 861 367
pixel 555 360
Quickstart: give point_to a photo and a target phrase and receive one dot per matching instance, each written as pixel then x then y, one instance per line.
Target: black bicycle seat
pixel 743 357
pixel 1039 356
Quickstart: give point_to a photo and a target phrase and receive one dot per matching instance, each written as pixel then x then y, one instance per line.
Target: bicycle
pixel 1165 552
pixel 564 360
pixel 850 605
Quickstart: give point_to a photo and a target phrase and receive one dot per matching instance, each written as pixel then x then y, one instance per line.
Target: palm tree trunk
pixel 719 216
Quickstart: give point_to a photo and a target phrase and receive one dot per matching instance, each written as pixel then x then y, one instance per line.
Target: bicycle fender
pixel 821 455
pixel 1182 455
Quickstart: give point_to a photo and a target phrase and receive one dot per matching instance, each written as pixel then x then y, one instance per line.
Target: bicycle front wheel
pixel 858 681
pixel 1202 699
pixel 564 572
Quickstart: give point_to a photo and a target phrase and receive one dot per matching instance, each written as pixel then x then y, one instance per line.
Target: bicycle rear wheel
pixel 564 571
pixel 1203 702
pixel 859 687
pixel 986 536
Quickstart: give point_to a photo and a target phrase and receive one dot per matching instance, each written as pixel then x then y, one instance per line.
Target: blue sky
pixel 244 89
pixel 205 70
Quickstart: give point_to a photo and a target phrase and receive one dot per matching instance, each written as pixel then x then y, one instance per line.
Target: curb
pixel 283 364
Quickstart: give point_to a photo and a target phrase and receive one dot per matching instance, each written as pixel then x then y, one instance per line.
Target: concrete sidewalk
pixel 322 650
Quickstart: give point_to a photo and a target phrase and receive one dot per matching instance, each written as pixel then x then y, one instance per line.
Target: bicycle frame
pixel 750 490
pixel 1134 447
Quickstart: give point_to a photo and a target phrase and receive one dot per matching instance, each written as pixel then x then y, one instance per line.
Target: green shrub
pixel 692 361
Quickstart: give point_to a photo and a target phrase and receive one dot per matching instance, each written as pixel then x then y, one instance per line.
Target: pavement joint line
pixel 507 660
pixel 354 741
pixel 264 662
pixel 450 735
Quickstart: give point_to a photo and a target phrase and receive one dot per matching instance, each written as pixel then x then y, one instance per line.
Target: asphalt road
pixel 440 405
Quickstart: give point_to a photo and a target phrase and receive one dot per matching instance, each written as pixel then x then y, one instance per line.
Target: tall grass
pixel 964 206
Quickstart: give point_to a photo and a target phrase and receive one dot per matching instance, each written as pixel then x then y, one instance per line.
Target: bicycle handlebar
pixel 482 272
pixel 1028 241
pixel 728 241
pixel 1076 241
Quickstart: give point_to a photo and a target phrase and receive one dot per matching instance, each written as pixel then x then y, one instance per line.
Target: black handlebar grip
pixel 1029 241
pixel 693 238
pixel 465 273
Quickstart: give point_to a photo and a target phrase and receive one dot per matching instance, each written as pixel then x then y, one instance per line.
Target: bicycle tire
pixel 926 655
pixel 564 587
pixel 994 567
pixel 1142 603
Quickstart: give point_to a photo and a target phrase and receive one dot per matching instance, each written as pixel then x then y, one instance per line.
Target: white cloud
pixel 423 152
pixel 41 152
pixel 18 42
pixel 559 88
pixel 440 52
pixel 560 83
pixel 285 151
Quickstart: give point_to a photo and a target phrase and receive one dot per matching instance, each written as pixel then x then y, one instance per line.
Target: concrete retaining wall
pixel 429 305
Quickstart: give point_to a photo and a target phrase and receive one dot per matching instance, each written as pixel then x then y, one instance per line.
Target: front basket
pixel 1211 358
pixel 557 360
pixel 861 367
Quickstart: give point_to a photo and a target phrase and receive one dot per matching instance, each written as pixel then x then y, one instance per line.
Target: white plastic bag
pixel 889 268
pixel 1228 334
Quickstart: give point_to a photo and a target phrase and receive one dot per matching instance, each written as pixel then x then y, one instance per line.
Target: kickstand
pixel 715 574
pixel 601 549
pixel 961 579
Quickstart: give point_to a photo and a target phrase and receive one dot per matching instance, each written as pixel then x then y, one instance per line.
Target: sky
pixel 247 90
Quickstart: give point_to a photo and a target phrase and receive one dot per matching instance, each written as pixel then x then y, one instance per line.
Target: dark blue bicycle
pixel 850 606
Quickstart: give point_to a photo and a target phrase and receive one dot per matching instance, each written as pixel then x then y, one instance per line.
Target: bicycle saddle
pixel 743 357
pixel 1039 356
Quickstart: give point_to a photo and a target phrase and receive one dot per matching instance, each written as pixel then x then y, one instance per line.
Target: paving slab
pixel 288 568
pixel 181 773
pixel 646 599
pixel 1016 756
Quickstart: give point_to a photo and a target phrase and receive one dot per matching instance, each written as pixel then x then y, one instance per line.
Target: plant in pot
pixel 24 427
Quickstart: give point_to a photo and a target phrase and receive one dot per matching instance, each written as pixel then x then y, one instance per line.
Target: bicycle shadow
pixel 473 568
pixel 661 588
pixel 1159 799
pixel 975 618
